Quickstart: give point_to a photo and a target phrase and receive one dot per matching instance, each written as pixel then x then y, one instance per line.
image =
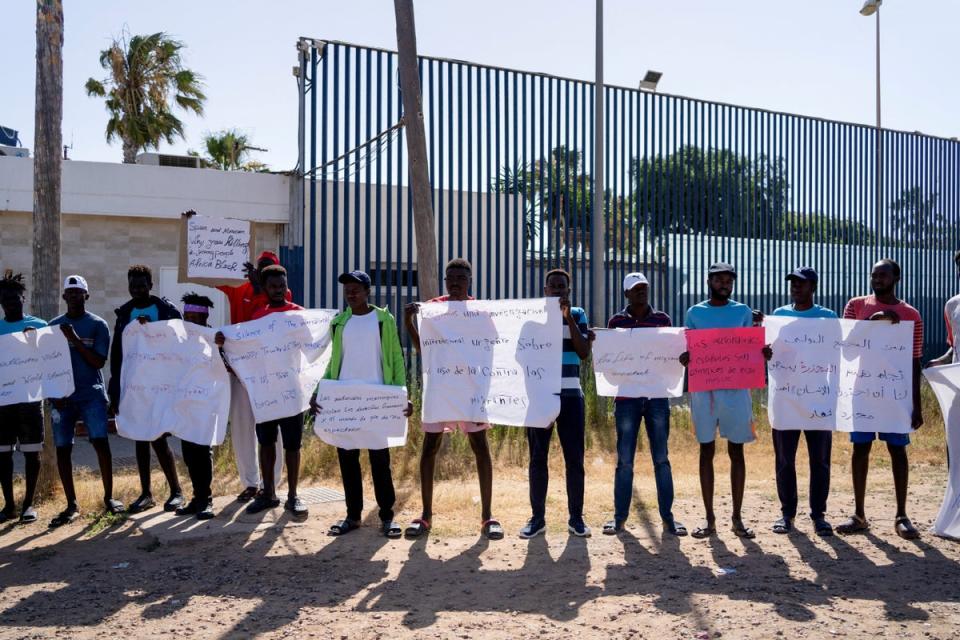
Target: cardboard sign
pixel 212 250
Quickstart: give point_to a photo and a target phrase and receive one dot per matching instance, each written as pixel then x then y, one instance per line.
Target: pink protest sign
pixel 726 359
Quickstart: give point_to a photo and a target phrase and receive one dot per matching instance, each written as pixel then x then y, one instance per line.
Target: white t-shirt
pixel 362 360
pixel 951 313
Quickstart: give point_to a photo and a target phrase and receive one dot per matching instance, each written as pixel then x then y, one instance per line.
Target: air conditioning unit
pixel 167 160
pixel 15 152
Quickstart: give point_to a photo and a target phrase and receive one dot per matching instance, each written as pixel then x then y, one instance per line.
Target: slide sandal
pixel 342 527
pixel 492 529
pixel 417 528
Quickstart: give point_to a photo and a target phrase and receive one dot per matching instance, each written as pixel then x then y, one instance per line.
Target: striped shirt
pixel 570 371
pixel 865 306
pixel 626 320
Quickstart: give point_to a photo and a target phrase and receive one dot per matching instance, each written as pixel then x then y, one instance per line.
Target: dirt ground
pixel 294 581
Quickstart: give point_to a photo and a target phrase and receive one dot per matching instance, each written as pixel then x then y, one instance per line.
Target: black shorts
pixel 290 427
pixel 21 427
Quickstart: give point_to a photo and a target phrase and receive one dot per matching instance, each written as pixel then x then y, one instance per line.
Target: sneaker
pixel 189 509
pixel 205 510
pixel 297 507
pixel 533 528
pixel 173 503
pixel 579 529
pixel 144 502
pixel 262 503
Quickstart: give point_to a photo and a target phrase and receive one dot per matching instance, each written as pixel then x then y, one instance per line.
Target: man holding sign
pixel 730 410
pixel 884 305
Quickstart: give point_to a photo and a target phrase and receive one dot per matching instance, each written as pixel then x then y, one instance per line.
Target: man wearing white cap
pixel 629 413
pixel 89 338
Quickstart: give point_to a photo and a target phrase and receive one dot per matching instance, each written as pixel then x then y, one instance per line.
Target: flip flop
pixel 342 527
pixel 705 530
pixel 905 529
pixel 743 531
pixel 417 528
pixel 492 529
pixel 853 524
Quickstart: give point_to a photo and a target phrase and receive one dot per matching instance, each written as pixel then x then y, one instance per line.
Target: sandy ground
pixel 294 581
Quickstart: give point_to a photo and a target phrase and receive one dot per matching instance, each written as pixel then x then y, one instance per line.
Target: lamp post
pixel 869 8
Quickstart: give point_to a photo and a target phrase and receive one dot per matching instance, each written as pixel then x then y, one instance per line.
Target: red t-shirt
pixel 267 310
pixel 243 301
pixel 865 306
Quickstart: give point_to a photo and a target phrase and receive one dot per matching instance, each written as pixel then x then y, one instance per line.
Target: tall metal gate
pixel 687 182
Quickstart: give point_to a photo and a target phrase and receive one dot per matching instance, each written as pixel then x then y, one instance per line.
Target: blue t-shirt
pixel 570 371
pixel 816 311
pixel 27 322
pixel 704 315
pixel 150 313
pixel 95 334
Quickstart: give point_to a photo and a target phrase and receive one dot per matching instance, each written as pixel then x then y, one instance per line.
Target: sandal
pixel 417 528
pixel 144 502
pixel 113 506
pixel 676 528
pixel 822 528
pixel 28 515
pixel 783 525
pixel 853 524
pixel 66 516
pixel 705 530
pixel 492 529
pixel 612 527
pixel 174 502
pixel 342 527
pixel 905 528
pixel 390 529
pixel 743 531
pixel 247 494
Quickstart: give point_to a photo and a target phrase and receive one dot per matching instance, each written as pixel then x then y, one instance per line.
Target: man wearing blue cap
pixel 803 284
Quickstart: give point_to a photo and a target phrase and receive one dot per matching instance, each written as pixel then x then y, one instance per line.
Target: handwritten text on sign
pixel 279 359
pixel 945 382
pixel 361 416
pixel 725 358
pixel 173 381
pixel 492 361
pixel 34 365
pixel 844 375
pixel 217 247
pixel 639 363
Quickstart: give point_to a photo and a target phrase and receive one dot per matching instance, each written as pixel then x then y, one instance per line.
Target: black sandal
pixel 783 525
pixel 676 528
pixel 492 529
pixel 612 527
pixel 853 524
pixel 390 529
pixel 66 516
pixel 822 528
pixel 113 506
pixel 743 531
pixel 342 527
pixel 905 528
pixel 417 528
pixel 705 530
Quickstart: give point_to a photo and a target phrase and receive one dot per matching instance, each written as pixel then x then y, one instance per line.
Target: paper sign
pixel 844 375
pixel 173 381
pixel 726 358
pixel 492 361
pixel 213 250
pixel 945 382
pixel 279 359
pixel 361 416
pixel 34 365
pixel 639 363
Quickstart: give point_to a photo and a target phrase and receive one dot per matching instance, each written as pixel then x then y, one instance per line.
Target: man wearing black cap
pixel 803 284
pixel 365 347
pixel 730 410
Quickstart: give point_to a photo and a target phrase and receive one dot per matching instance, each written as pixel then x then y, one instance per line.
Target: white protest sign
pixel 945 382
pixel 361 416
pixel 639 363
pixel 279 359
pixel 173 381
pixel 843 375
pixel 35 365
pixel 217 247
pixel 492 361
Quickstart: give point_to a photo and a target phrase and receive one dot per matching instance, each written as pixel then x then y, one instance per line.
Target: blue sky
pixel 814 57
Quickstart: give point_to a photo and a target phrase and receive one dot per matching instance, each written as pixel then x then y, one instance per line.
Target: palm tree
pixel 145 73
pixel 229 150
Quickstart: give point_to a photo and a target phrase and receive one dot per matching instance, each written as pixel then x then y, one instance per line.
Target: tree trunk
pixel 47 165
pixel 129 151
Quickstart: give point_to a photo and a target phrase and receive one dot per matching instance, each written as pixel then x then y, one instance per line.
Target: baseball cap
pixel 355 276
pixel 722 267
pixel 268 255
pixel 75 282
pixel 803 273
pixel 633 279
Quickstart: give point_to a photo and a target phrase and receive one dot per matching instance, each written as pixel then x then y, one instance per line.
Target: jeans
pixel 353 482
pixel 569 425
pixel 655 412
pixel 819 445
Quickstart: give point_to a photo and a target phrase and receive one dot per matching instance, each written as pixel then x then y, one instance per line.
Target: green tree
pixel 229 150
pixel 916 220
pixel 146 80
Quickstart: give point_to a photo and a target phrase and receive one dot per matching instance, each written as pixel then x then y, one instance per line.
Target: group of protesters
pixel 365 347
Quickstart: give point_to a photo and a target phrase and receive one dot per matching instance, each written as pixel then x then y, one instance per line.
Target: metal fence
pixel 687 182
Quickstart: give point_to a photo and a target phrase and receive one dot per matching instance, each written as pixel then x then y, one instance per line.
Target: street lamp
pixel 650 80
pixel 869 8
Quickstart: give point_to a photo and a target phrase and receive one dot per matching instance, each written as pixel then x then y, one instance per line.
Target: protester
pixel 570 422
pixel 89 338
pixel 803 285
pixel 883 304
pixel 629 412
pixel 729 410
pixel 951 315
pixel 290 428
pixel 458 278
pixel 365 348
pixel 21 424
pixel 144 307
pixel 198 457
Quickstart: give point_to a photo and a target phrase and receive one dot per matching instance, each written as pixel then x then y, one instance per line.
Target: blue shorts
pixel 730 410
pixel 93 412
pixel 896 439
